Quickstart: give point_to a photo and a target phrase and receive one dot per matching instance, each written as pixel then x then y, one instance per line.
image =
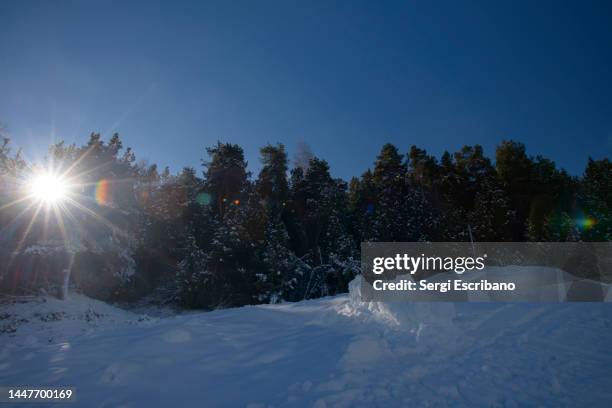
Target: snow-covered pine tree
pixel 339 248
pixel 229 240
pixel 491 215
pixel 317 209
pixel 193 281
pixel 421 218
pixel 276 280
pixel 451 214
pixel 275 277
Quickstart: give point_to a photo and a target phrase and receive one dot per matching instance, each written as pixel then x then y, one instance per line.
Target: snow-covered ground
pixel 321 353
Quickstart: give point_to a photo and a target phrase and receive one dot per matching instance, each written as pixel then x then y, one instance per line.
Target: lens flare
pixel 203 199
pixel 586 223
pixel 102 192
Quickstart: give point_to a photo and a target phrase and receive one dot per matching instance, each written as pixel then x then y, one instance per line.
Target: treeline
pixel 220 236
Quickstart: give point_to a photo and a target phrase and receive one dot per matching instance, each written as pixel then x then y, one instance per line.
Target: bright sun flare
pixel 48 188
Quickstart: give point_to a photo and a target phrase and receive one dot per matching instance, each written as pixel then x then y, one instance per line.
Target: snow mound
pixel 48 320
pixel 427 321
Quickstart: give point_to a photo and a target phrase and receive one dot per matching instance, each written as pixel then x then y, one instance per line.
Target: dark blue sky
pixel 346 77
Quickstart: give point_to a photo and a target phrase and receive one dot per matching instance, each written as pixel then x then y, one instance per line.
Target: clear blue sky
pixel 174 77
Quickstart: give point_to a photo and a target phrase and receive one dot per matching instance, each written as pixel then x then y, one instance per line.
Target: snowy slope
pixel 323 353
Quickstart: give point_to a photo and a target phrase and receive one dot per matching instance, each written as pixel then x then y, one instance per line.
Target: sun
pixel 48 188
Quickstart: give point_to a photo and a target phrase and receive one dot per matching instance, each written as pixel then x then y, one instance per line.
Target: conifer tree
pixel 296 215
pixel 272 184
pixel 195 283
pixel 277 280
pixel 515 170
pixel 491 215
pixel 423 169
pixel 595 198
pixel 362 203
pixel 389 177
pixel 318 183
pixel 448 188
pixel 225 236
pixel 226 175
